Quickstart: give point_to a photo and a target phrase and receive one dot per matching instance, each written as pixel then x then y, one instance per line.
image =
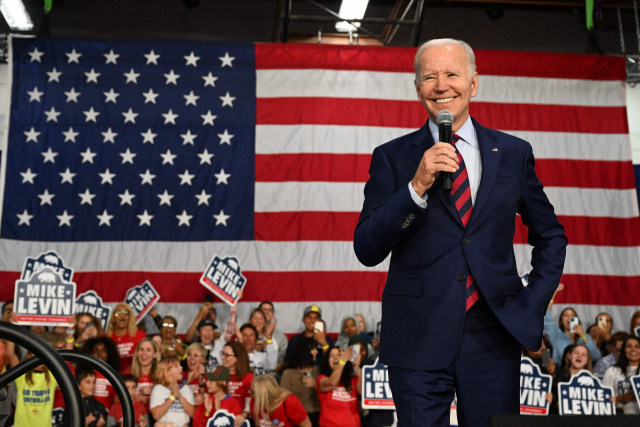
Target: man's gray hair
pixel 471 57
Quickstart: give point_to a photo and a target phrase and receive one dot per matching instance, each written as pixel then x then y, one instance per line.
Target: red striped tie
pixel 461 194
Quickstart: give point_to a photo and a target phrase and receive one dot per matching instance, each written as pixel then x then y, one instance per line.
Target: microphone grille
pixel 444 116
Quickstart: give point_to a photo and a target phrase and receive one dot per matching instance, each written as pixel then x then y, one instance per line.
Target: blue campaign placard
pixel 90 302
pixel 376 393
pixel 584 394
pixel 637 331
pixel 223 277
pixel 223 418
pixel 142 298
pixel 44 299
pixel 635 385
pixel 49 259
pixel 534 387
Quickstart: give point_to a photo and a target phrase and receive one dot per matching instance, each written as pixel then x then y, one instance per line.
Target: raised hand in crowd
pixel 142 421
pixel 560 288
pixel 271 327
pixel 375 343
pixel 101 422
pixel 321 337
pixel 89 419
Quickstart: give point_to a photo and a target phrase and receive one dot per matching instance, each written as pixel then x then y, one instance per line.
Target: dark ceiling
pixel 550 25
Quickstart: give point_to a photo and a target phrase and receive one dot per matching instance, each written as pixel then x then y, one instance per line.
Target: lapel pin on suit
pixel 494 149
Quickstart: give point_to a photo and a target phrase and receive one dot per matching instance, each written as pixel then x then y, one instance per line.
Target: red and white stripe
pixel 321 110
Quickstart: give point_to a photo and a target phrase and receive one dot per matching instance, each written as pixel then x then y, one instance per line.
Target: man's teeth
pixel 443 100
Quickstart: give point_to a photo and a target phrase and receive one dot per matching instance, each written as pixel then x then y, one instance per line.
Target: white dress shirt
pixel 470 151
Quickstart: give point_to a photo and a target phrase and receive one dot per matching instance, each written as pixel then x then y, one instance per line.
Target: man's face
pixel 249 339
pixel 268 311
pixel 445 82
pixel 206 334
pixel 310 319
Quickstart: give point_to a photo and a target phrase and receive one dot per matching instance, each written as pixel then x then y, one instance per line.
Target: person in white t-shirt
pixel 169 403
pixel 214 346
pixel 617 376
pixel 263 356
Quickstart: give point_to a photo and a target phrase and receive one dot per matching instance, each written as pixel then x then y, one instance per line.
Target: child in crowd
pixel 139 409
pixel 94 411
pixel 193 377
pixel 171 405
pixel 216 398
pixel 104 348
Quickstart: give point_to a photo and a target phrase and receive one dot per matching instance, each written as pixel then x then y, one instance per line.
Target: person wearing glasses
pixel 235 359
pixel 171 344
pixel 122 328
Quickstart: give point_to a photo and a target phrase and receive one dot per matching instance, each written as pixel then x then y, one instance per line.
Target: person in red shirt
pixel 216 398
pixel 104 349
pixel 274 406
pixel 235 359
pixel 139 410
pixel 122 328
pixel 143 367
pixel 338 386
pixel 194 376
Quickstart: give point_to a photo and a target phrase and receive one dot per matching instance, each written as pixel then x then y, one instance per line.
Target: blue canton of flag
pixel 140 140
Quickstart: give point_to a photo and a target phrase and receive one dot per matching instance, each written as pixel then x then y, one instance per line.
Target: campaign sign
pixel 585 395
pixel 376 393
pixel 142 299
pixel 223 418
pixel 90 302
pixel 224 278
pixel 534 387
pixel 44 299
pixel 48 259
pixel 635 385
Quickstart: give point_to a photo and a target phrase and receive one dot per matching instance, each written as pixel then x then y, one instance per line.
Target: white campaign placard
pixel 584 394
pixel 223 277
pixel 376 393
pixel 534 387
pixel 44 299
pixel 142 298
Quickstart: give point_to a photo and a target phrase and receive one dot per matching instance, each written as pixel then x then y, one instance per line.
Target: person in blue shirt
pixel 560 336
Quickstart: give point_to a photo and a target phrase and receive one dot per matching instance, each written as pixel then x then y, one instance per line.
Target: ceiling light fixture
pixel 351 9
pixel 16 15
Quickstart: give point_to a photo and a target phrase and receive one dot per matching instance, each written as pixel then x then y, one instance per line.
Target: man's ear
pixel 474 85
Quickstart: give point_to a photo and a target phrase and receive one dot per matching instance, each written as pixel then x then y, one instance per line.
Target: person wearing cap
pixel 213 344
pixel 312 314
pixel 217 397
pixel 455 313
pixel 207 312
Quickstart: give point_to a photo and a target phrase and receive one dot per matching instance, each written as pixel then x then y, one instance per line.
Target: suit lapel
pixel 422 143
pixel 490 158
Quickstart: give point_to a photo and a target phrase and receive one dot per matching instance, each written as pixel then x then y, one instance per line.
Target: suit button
pixel 405 225
pixel 466 240
pixel 411 216
pixel 461 277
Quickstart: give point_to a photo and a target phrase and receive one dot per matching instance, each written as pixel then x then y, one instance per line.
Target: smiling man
pixel 455 314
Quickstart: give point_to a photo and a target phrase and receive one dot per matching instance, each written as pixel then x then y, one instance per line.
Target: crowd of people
pixel 610 354
pixel 250 369
pixel 258 374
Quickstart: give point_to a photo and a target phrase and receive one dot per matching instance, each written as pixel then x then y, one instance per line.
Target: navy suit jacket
pixel 424 299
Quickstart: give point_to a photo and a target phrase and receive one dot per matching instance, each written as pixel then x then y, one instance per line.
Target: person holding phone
pixel 339 386
pixel 314 332
pixel 207 312
pixel 300 377
pixel 542 358
pixel 568 331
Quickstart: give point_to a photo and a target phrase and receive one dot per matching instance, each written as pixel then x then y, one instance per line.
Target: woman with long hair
pixel 274 405
pixel 235 359
pixel 87 326
pixel 300 377
pixel 562 335
pixel 578 358
pixel 617 376
pixel 338 386
pixel 143 367
pixel 167 394
pixel 104 348
pixel 123 330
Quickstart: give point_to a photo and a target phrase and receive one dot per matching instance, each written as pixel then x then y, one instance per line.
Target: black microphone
pixel 444 119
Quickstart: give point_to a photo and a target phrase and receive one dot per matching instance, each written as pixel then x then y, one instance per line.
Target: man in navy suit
pixel 455 314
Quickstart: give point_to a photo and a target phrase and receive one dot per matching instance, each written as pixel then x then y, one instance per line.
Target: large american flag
pixel 140 160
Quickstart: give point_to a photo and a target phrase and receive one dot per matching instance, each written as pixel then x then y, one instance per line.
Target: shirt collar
pixel 466 132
